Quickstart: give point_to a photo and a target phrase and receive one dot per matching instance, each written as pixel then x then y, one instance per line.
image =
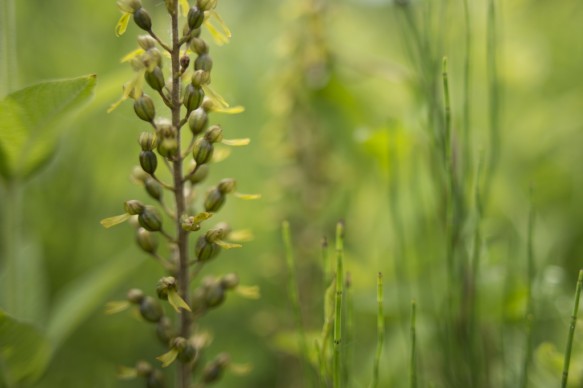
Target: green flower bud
pixel 165 129
pixel 195 18
pixel 155 380
pixel 135 296
pixel 152 58
pixel 192 97
pixel 147 141
pixel 215 199
pixel 155 79
pixel 150 219
pixel 146 42
pixel 214 370
pixel 147 241
pixel 153 188
pixel 144 108
pixel 230 281
pixel 171 6
pixel 199 46
pixel 148 161
pixel 143 368
pixel 165 331
pixel 206 5
pixel 214 296
pixel 165 285
pixel 197 300
pixel 168 147
pixel 200 175
pixel 142 19
pixel 203 62
pixel 139 175
pixel 184 62
pixel 202 151
pixel 186 351
pixel 218 232
pixel 201 77
pixel 197 121
pixel 214 134
pixel 206 250
pixel 227 185
pixel 207 104
pixel 151 310
pixel 133 207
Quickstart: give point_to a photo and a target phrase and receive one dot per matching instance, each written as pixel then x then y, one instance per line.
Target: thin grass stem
pixel 294 296
pixel 380 332
pixel 413 359
pixel 337 369
pixel 572 331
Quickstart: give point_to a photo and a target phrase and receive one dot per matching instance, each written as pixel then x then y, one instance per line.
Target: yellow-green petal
pixel 168 357
pixel 247 196
pixel 219 38
pixel 122 24
pixel 215 97
pixel 184 7
pixel 230 110
pixel 241 235
pixel 236 142
pixel 116 306
pixel 220 154
pixel 240 369
pixel 176 301
pixel 132 55
pixel 227 245
pixel 115 220
pixel 126 373
pixel 249 292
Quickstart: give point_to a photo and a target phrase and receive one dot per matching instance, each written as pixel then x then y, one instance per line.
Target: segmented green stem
pixel 413 360
pixel 380 331
pixel 337 381
pixel 294 295
pixel 572 331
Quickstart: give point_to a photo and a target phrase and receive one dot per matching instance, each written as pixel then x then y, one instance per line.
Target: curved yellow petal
pixel 184 7
pixel 230 111
pixel 132 55
pixel 241 235
pixel 116 306
pixel 236 142
pixel 122 24
pixel 227 245
pixel 126 373
pixel 219 38
pixel 247 196
pixel 168 357
pixel 115 220
pixel 249 292
pixel 222 23
pixel 220 154
pixel 240 369
pixel 216 98
pixel 177 302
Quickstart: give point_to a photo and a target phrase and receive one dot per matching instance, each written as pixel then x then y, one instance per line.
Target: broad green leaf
pixel 28 134
pixel 86 295
pixel 24 350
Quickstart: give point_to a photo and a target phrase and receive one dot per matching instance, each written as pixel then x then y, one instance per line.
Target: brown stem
pixel 184 373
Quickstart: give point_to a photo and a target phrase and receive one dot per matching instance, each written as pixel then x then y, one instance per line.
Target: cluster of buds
pixel 183 90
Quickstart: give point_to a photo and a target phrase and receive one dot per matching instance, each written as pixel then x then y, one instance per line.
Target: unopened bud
pixel 227 185
pixel 135 296
pixel 150 309
pixel 214 134
pixel 148 161
pixel 215 295
pixel 197 121
pixel 184 62
pixel 202 151
pixel 199 46
pixel 142 19
pixel 147 241
pixel 143 368
pixel 195 18
pixel 203 62
pixel 155 380
pixel 214 370
pixel 150 219
pixel 144 108
pixel 192 97
pixel 168 147
pixel 200 174
pixel 164 330
pixel 206 5
pixel 153 188
pixel 146 42
pixel 206 250
pixel 155 79
pixel 147 141
pixel 230 281
pixel 214 200
pixel 165 285
pixel 133 207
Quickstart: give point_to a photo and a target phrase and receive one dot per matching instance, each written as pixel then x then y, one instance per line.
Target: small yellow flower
pixel 127 8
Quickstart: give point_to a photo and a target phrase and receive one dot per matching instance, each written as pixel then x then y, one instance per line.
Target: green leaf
pixel 24 350
pixel 86 295
pixel 28 134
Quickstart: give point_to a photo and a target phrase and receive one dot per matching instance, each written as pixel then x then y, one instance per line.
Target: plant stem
pixel 337 381
pixel 530 303
pixel 413 360
pixel 184 372
pixel 294 296
pixel 572 331
pixel 380 331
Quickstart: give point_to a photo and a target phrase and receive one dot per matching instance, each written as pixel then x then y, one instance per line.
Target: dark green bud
pixel 146 42
pixel 214 200
pixel 227 185
pixel 195 18
pixel 184 62
pixel 186 351
pixel 148 161
pixel 155 79
pixel 143 368
pixel 150 219
pixel 165 285
pixel 192 97
pixel 206 250
pixel 147 141
pixel 144 108
pixel 197 121
pixel 151 310
pixel 214 295
pixel 133 207
pixel 142 19
pixel 214 134
pixel 203 62
pixel 218 232
pixel 147 241
pixel 214 369
pixel 230 281
pixel 199 46
pixel 200 174
pixel 135 296
pixel 153 188
pixel 155 380
pixel 165 331
pixel 202 151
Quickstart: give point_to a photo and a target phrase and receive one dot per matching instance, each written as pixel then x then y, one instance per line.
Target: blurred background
pixel 343 105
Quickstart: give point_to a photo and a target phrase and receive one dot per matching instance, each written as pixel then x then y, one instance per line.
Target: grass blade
pixel 572 331
pixel 337 381
pixel 380 331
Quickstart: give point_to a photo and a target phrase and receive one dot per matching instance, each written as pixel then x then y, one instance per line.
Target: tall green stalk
pixel 380 331
pixel 337 366
pixel 413 359
pixel 530 313
pixel 572 331
pixel 294 296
